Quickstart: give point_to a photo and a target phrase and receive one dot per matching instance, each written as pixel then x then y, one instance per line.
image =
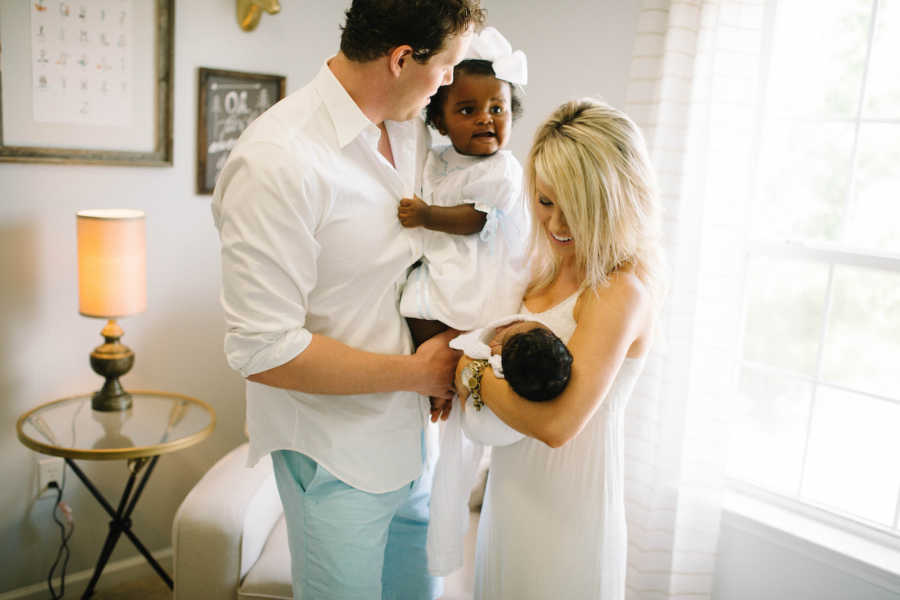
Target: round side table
pixel 157 423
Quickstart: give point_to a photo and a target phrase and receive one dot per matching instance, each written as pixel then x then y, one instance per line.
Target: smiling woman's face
pixel 552 220
pixel 504 332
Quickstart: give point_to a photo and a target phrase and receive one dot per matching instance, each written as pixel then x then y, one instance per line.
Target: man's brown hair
pixel 374 27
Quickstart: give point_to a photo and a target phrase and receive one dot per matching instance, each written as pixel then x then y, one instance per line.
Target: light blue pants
pixel 347 544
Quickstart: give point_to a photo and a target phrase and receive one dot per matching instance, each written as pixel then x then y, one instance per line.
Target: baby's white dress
pixel 467 281
pixel 553 520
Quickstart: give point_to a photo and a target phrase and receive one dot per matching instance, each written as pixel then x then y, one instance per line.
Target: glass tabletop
pixel 157 423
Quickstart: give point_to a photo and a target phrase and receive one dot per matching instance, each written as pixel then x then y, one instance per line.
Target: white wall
pixel 574 48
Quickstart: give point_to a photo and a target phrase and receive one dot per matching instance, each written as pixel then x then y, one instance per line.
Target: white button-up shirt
pixel 306 209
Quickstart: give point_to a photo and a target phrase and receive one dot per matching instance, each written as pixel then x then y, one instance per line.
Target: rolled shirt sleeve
pixel 269 257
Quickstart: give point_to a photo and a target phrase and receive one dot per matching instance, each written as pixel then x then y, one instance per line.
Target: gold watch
pixel 471 378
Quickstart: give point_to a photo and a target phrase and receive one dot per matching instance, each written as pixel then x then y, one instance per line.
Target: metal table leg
pixel 121 518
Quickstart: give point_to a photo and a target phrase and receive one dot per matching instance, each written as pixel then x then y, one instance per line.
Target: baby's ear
pixel 439 124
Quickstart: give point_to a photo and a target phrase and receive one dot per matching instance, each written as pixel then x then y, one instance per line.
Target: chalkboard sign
pixel 228 102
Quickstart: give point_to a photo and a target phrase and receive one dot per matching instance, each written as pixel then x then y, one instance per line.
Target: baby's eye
pixel 496 110
pixel 466 110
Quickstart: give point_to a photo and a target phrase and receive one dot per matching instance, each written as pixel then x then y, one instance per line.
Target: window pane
pixel 768 430
pixel 874 220
pixel 805 172
pixel 863 342
pixel 883 87
pixel 819 51
pixel 852 457
pixel 785 313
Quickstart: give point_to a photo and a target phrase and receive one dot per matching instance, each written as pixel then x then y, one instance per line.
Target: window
pixel 818 416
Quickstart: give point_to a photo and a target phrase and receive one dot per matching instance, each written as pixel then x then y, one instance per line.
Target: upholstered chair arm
pixel 221 527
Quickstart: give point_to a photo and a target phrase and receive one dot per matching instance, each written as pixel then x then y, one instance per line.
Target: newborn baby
pixel 534 361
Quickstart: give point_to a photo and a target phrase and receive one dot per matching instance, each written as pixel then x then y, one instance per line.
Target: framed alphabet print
pixel 87 81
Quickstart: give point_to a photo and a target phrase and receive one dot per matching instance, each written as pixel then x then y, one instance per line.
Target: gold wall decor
pixel 250 11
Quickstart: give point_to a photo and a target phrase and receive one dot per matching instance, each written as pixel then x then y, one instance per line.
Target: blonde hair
pixel 594 159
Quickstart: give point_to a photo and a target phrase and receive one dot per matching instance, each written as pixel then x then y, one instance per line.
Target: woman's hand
pixel 412 212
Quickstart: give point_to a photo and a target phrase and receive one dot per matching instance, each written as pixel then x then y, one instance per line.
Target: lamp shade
pixel 112 263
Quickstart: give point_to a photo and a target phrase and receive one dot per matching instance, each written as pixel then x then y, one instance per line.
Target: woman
pixel 553 522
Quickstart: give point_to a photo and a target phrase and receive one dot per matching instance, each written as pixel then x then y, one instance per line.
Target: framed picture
pixel 87 81
pixel 228 102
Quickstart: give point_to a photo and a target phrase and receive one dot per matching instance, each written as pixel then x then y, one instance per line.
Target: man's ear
pixel 398 57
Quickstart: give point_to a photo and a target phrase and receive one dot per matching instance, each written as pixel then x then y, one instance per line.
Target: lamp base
pixel 111 360
pixel 111 397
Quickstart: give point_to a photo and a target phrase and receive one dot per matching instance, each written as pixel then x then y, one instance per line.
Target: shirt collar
pixel 348 120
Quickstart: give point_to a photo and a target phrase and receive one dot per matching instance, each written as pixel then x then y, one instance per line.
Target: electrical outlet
pixel 49 469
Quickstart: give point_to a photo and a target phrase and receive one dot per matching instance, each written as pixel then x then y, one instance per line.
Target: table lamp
pixel 112 283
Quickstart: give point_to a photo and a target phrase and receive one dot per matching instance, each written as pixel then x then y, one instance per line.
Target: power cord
pixel 63 552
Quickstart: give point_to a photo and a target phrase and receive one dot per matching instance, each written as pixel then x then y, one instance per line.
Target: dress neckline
pixel 564 302
pixel 574 294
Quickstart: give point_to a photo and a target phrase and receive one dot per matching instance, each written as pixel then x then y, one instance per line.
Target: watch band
pixel 472 380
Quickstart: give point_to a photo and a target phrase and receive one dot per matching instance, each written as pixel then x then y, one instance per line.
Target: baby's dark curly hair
pixel 536 364
pixel 470 66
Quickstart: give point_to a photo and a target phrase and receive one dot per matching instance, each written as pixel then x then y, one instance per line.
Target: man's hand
pixel 435 363
pixel 412 212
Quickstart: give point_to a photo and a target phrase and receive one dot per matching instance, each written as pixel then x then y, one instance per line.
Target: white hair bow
pixel 489 44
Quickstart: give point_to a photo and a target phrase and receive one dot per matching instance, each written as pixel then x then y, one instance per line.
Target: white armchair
pixel 229 538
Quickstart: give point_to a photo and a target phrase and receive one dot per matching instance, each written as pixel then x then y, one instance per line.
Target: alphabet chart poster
pixel 82 61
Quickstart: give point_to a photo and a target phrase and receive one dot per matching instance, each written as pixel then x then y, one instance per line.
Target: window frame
pixel 832 255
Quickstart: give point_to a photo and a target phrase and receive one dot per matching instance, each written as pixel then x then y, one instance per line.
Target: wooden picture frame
pixel 100 80
pixel 227 102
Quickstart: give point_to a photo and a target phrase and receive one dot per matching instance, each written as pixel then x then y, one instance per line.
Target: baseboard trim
pixel 113 574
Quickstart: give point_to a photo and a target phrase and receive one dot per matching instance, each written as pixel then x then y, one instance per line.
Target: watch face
pixel 466 376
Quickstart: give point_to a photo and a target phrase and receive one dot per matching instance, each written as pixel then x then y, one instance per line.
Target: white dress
pixel 553 520
pixel 467 281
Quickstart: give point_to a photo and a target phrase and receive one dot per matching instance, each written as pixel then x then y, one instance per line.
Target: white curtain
pixel 692 90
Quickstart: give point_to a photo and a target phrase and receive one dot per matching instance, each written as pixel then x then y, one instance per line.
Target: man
pixel 313 260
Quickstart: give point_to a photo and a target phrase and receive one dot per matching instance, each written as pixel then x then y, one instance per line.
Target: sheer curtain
pixel 692 89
